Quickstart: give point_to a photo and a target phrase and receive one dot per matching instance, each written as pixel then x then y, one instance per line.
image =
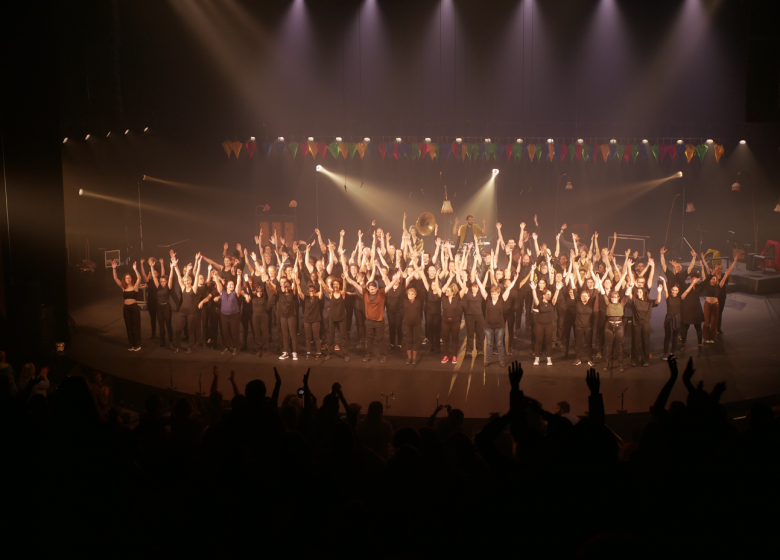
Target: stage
pixel 746 357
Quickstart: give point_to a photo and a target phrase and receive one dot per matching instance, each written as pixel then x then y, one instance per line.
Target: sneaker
pixel 136 349
pixel 509 353
pixel 598 356
pixel 425 340
pixel 646 364
pixel 620 369
pixel 189 351
pixel 367 358
pixel 235 351
pixel 382 359
pixel 445 359
pixel 208 341
pixel 549 361
pixel 502 364
pixel 346 358
pixel 131 349
pixel 536 361
pixel 480 353
pixel 485 364
pixel 577 362
pixel 591 363
pixel 467 355
pixel 454 359
pixel 414 362
pixel 225 351
pixel 408 362
pixel 336 348
pixel 665 358
pixel 175 351
pixel 317 356
pixel 284 356
pixel 308 355
pixel 295 355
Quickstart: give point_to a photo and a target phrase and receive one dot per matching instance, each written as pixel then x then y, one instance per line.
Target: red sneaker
pixel 445 359
pixel 454 359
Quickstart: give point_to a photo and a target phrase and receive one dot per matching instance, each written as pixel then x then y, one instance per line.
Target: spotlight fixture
pixel 318 168
pixel 399 140
pixel 487 140
pixel 339 139
pixel 613 141
pixel 310 138
pixel 549 140
pixel 709 140
pixel 495 172
pixel 127 131
pixel 109 134
pixel 580 141
pixel 736 186
pixel 427 140
pixel 569 186
pixel 645 141
pixel 366 139
pixel 281 139
pixel 65 140
pixel 146 129
pixel 87 137
pixel 519 140
pixel 252 138
pixel 679 173
pixel 679 141
pixel 81 192
pixel 459 140
pixel 742 142
pixel 689 208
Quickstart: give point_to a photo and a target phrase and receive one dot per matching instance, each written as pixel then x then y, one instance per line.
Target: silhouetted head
pixel 255 392
pixel 375 411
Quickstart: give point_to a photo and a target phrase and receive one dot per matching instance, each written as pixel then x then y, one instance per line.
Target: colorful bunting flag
pixel 382 148
pixel 304 147
pixel 279 147
pixel 323 147
pixel 227 145
pixel 655 150
pixel 293 147
pixel 619 151
pixel 361 149
pixel 550 152
pixel 250 147
pixel 578 152
pixel 237 147
pixel 333 148
pixel 572 148
pixel 351 148
pixel 531 151
pixel 605 151
pixel 719 152
pixel 701 151
pixel 690 151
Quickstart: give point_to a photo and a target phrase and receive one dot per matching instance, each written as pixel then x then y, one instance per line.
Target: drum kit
pixel 426 225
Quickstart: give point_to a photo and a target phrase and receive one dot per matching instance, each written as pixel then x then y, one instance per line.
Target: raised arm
pixel 357 286
pixel 143 272
pixel 728 271
pixel 482 288
pixel 116 278
pixel 175 268
pixel 500 243
pixel 614 242
pixel 693 283
pixel 693 261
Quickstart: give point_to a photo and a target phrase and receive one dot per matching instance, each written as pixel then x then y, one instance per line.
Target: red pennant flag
pixel 578 152
pixel 304 148
pixel 323 147
pixel 508 149
pixel 250 147
pixel 627 152
pixel 395 150
pixel 382 149
pixel 423 149
pixel 564 151
pixel 455 149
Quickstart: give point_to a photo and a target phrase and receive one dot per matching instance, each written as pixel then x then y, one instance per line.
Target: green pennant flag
pixel 586 152
pixel 415 151
pixel 333 148
pixel 572 150
pixel 517 151
pixel 634 152
pixel 351 148
pixel 538 152
pixel 472 151
pixel 701 151
pixel 491 150
pixel 293 147
pixel 655 150
pixel 437 153
pixel 619 151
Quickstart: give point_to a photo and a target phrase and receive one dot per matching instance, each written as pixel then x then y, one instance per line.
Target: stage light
pixel 519 140
pixel 310 138
pixel 645 141
pixel 318 168
pixel 459 140
pixel 689 208
pixel 487 140
pixel 339 139
pixel 81 192
pixel 127 131
pixel 679 141
pixel 777 208
pixel 146 129
pixel 709 141
pixel 427 140
pixel 742 142
pixel 366 139
pixel 252 138
pixel 281 139
pixel 495 172
pixel 399 140
pixel 87 137
pixel 569 186
pixel 65 140
pixel 736 187
pixel 679 173
pixel 613 141
pixel 580 141
pixel 109 134
pixel 549 140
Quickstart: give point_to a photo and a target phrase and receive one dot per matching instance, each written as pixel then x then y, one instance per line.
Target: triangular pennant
pixel 416 151
pixel 586 152
pixel 313 148
pixel 613 150
pixel 343 149
pixel 571 149
pixel 508 149
pixel 550 152
pixel 361 149
pixel 597 152
pixel 237 147
pixel 665 151
pixel 464 151
pixel 279 147
pixel 578 152
pixel 690 151
pixel 655 149
pixel 481 152
pixel 701 151
pixel 423 149
pixel 227 145
pixel 605 151
pixel 323 149
pixel 718 152
pixel 395 150
pixel 443 149
pixel 476 151
pixel 351 148
pixel 333 149
pixel 636 149
pixel 293 147
pixel 564 151
pixel 250 147
pixel 500 151
pixel 455 147
pixel 680 151
pixel 627 152
pixel 491 150
pixel 434 153
pixel 382 149
pixel 265 148
pixel 304 147
pixel 517 152
pixel 373 149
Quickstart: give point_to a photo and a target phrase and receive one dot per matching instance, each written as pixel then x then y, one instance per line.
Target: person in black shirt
pixel 690 310
pixel 494 320
pixel 672 319
pixel 583 327
pixel 164 313
pixel 288 321
pixel 412 321
pixel 643 312
pixel 475 321
pixel 312 316
pixel 714 293
pixel 338 317
pixel 433 310
pixel 543 321
pixel 451 311
pixel 151 293
pixel 675 273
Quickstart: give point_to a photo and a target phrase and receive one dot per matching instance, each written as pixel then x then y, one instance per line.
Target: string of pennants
pixel 468 151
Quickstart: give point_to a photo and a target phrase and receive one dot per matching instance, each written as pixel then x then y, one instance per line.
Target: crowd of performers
pixel 347 299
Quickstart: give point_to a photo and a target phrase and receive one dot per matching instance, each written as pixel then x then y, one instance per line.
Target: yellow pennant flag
pixel 531 151
pixel 550 151
pixel 343 149
pixel 690 151
pixel 227 145
pixel 361 148
pixel 605 151
pixel 719 152
pixel 237 147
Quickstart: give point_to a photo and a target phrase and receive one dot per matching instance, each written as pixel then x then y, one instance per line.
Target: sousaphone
pixel 426 223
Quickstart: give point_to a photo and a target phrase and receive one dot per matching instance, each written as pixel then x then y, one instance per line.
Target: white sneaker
pixel 549 361
pixel 536 361
pixel 295 355
pixel 131 349
pixel 136 349
pixel 284 356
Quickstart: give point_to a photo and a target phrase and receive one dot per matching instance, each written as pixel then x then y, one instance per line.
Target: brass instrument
pixel 426 223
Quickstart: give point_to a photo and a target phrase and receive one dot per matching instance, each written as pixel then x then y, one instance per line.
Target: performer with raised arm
pixel 374 302
pixel 468 232
pixel 131 312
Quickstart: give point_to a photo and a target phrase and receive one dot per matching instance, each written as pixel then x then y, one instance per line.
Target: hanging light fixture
pixel 339 139
pixel 310 139
pixel 427 140
pixel 366 139
pixel 487 140
pixel 580 141
pixel 569 186
pixel 689 208
pixel 399 140
pixel 519 140
pixel 446 206
pixel 459 140
pixel 777 208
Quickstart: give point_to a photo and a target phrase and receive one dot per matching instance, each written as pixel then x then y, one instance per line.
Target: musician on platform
pixel 469 232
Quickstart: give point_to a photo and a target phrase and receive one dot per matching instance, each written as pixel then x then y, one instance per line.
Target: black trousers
pixel 614 333
pixel 475 326
pixel 684 332
pixel 722 305
pixel 509 323
pixel 450 330
pixel 600 320
pixel 231 325
pixel 349 307
pixel 544 334
pixel 289 328
pixel 568 324
pixel 260 329
pixel 151 306
pixel 132 316
pixel 213 321
pixel 312 331
pixel 395 322
pixel 164 321
pixel 560 321
pixel 184 321
pixel 433 328
pixel 583 339
pixel 412 336
pixel 375 331
pixel 670 337
pixel 246 320
pixel 341 326
pixel 640 340
pixel 360 322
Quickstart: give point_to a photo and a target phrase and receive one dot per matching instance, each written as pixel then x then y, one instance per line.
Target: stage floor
pixel 746 357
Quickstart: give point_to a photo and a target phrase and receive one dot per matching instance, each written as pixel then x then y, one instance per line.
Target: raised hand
pixel 254 257
pixel 564 226
pixel 673 366
pixel 515 374
pixel 662 250
pixel 535 235
pixel 405 216
pixel 226 246
pixel 143 261
pixel 593 381
pixel 113 264
pixel 134 266
pixel 522 225
pixel 306 378
pixel 277 378
pixel 596 235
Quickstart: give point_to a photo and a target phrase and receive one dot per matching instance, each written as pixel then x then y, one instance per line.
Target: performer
pixel 373 299
pixel 131 312
pixel 543 321
pixel 676 275
pixel 151 294
pixel 338 316
pixel 691 312
pixel 312 316
pixel 164 314
pixel 475 321
pixel 433 309
pixel 230 313
pixel 468 232
pixel 714 294
pixel 643 312
pixel 412 322
pixel 185 316
pixel 451 313
pixel 494 320
pixel 672 319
